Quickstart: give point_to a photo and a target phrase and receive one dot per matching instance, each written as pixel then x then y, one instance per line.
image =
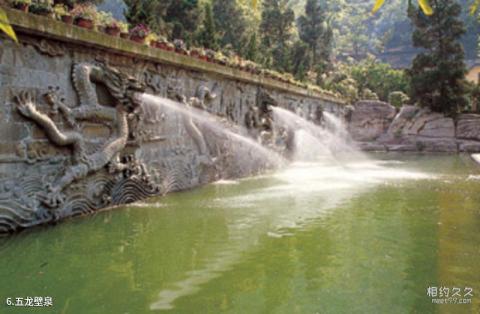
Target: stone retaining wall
pixel 75 137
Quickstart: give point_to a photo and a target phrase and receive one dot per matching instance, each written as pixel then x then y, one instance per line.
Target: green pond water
pixel 359 237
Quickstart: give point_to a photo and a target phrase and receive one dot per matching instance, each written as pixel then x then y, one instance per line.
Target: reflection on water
pixel 357 237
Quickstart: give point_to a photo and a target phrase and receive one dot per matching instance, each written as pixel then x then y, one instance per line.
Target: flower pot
pixel 137 39
pixel 157 44
pixel 161 45
pixel 204 58
pixel 124 35
pixel 84 23
pixel 194 53
pixel 181 51
pixel 112 31
pixel 67 19
pixel 21 6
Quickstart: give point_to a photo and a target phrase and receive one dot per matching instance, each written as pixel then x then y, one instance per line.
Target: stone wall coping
pixel 31 24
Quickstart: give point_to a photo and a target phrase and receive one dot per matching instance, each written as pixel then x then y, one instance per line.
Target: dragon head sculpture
pixel 123 87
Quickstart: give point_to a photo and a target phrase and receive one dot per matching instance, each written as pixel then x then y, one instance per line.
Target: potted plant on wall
pixel 196 52
pixel 123 30
pixel 166 45
pixel 21 5
pixel 159 42
pixel 220 58
pixel 41 8
pixel 210 54
pixel 152 40
pixel 110 25
pixel 61 13
pixel 180 47
pixel 139 33
pixel 113 28
pixel 84 15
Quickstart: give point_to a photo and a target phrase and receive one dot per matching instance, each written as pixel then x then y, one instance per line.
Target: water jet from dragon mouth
pixel 209 130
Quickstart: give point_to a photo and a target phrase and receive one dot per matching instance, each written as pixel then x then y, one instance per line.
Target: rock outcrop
pixel 414 129
pixel 370 119
pixel 468 127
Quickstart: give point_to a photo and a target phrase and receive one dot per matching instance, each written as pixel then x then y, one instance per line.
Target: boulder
pixel 370 119
pixel 430 124
pixel 393 134
pixel 414 129
pixel 468 127
pixel 413 121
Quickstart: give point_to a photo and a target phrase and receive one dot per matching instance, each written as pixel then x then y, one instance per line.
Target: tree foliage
pixel 276 28
pixel 177 19
pixel 314 29
pixel 208 35
pixel 438 73
pixel 230 23
pixel 379 77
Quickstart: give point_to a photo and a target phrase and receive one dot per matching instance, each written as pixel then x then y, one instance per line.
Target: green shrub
pixel 367 94
pixel 397 99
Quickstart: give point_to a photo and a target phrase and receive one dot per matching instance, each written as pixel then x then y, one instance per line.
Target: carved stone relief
pixel 124 177
pixel 89 142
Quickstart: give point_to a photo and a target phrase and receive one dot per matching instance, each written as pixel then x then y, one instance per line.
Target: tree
pixel 251 53
pixel 207 37
pixel 138 11
pixel 300 60
pixel 183 16
pixel 354 30
pixel 315 31
pixel 379 77
pixel 177 19
pixel 230 23
pixel 438 74
pixel 276 29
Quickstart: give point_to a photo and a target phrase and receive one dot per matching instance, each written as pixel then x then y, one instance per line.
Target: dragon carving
pixel 124 91
pixel 203 96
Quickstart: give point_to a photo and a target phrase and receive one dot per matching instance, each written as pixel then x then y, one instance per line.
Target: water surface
pixel 356 237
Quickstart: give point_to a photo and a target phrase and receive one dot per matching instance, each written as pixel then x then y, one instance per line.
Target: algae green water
pixel 361 237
